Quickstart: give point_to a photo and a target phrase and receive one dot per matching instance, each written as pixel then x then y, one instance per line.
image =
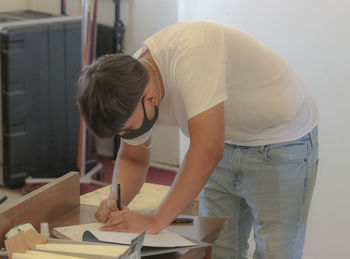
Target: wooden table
pixel 203 229
pixel 58 203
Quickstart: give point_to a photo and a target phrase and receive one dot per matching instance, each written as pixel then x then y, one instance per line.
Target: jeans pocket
pixel 289 152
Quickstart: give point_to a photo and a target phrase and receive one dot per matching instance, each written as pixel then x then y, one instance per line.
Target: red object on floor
pixel 154 175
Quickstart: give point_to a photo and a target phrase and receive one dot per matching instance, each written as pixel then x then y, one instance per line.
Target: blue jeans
pixel 268 188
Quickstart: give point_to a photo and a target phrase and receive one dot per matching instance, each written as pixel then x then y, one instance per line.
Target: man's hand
pixel 132 222
pixel 105 210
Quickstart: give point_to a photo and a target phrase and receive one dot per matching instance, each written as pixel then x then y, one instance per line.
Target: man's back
pixel 204 63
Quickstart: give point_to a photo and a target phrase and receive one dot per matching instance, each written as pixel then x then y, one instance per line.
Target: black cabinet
pixel 40 64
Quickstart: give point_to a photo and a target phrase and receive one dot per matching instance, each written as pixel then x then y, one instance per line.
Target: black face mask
pixel 146 124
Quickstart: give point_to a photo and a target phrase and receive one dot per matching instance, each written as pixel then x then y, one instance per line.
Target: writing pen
pixel 119 203
pixel 182 220
pixel 113 192
pixel 3 199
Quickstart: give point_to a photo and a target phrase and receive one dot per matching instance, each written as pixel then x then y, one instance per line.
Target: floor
pixel 10 194
pixel 155 175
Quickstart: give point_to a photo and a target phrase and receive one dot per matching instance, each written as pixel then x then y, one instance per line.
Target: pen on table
pixel 182 220
pixel 112 193
pixel 3 199
pixel 119 203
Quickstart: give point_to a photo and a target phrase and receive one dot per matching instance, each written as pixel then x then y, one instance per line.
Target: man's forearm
pixel 131 178
pixel 195 172
pixel 131 174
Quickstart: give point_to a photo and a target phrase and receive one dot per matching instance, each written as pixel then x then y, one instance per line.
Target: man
pixel 252 127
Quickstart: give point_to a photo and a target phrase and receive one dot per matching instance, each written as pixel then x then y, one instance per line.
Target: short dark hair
pixel 108 92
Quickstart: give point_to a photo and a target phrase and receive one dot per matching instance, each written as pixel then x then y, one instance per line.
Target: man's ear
pixel 150 97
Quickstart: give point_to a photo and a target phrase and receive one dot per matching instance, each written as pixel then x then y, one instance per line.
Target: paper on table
pixel 75 232
pixel 162 239
pixel 148 199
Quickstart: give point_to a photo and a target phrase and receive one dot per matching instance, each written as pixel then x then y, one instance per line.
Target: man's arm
pixel 207 138
pixel 132 165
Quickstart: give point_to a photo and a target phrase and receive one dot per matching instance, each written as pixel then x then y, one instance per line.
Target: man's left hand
pixel 132 222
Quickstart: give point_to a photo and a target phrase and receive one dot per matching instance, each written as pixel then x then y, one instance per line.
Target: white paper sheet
pixel 75 232
pixel 162 239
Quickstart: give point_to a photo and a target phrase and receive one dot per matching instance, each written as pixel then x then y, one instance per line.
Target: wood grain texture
pixel 45 204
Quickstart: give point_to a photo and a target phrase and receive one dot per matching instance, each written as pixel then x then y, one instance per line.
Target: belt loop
pixel 263 149
pixel 311 140
pixel 312 136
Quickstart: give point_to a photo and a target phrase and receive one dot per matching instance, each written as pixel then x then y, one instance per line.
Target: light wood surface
pixel 147 200
pixel 58 203
pixel 203 229
pixel 45 204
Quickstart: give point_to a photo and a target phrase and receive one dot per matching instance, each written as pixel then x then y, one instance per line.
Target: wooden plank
pixel 45 204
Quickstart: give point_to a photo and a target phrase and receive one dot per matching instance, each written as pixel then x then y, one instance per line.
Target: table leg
pixel 208 251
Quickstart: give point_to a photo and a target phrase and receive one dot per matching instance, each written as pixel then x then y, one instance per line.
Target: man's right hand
pixel 103 212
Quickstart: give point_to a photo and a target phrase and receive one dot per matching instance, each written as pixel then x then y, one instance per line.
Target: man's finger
pixel 114 221
pixel 120 228
pixel 106 211
pixel 100 216
pixel 103 209
pixel 112 204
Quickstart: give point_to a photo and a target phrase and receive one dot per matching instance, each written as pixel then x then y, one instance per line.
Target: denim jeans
pixel 268 188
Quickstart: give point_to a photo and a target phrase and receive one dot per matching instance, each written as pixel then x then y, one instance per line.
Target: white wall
pixel 314 36
pixel 49 6
pixel 73 7
pixel 145 19
pixel 13 4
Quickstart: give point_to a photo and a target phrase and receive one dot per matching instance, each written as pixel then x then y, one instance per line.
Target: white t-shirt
pixel 203 64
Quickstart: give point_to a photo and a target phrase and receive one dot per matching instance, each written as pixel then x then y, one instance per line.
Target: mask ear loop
pixel 145 114
pixel 160 93
pixel 147 147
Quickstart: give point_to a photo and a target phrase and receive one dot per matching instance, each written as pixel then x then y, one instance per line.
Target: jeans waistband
pixel 312 136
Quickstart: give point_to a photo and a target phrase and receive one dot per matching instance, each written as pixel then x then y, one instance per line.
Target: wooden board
pixel 45 204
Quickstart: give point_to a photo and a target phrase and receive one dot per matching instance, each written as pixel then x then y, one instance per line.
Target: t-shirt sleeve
pixel 200 78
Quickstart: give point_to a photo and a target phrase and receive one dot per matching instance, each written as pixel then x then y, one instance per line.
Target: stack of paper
pixel 30 244
pixel 70 251
pixel 30 254
pixel 82 250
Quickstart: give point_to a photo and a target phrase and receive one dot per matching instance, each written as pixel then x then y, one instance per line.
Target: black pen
pixel 3 199
pixel 119 203
pixel 183 220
